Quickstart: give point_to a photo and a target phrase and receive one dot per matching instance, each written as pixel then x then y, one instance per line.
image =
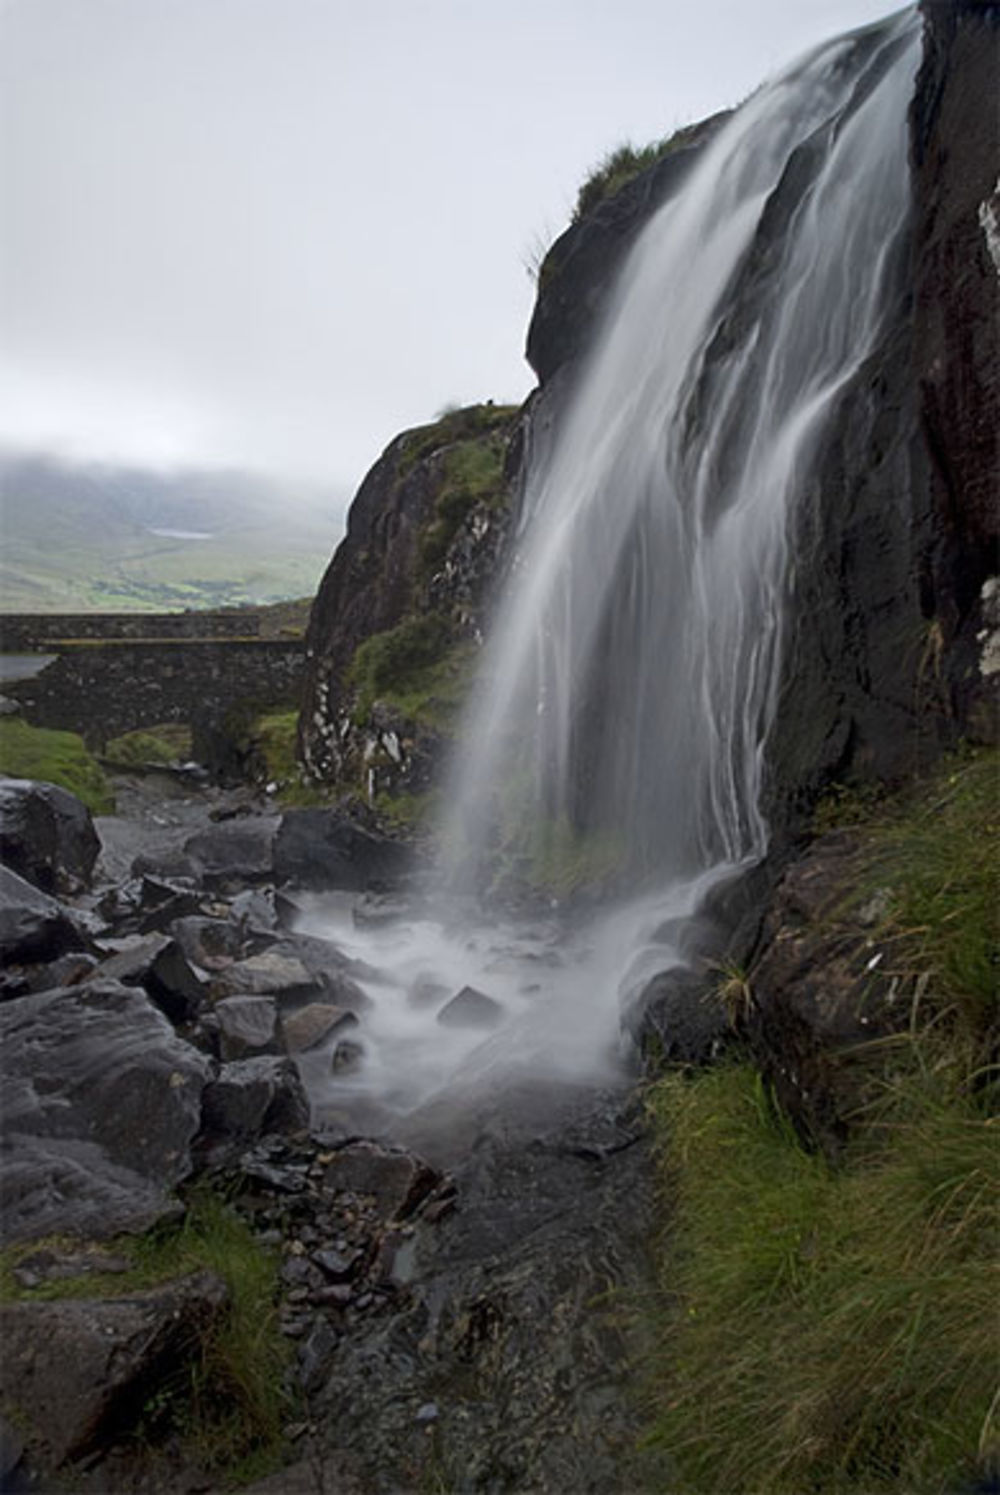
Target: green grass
pixel 227 1403
pixel 621 165
pixel 826 1330
pixel 166 744
pixel 819 1330
pixel 937 854
pixel 55 758
pixel 275 736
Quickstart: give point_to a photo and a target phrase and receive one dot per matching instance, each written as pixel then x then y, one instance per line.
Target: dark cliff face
pixel 956 165
pixel 889 654
pixel 423 535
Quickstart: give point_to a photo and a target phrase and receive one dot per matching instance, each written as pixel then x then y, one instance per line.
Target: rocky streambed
pixel 172 1020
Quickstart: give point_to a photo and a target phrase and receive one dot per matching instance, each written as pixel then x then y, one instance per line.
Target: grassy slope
pixel 830 1331
pixel 56 758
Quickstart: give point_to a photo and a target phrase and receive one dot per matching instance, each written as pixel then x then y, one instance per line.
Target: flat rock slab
pixel 73 1369
pixel 100 1103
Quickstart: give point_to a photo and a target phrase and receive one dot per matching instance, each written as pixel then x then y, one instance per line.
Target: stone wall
pixel 22 632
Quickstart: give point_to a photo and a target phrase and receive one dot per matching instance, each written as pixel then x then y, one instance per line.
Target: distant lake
pixel 182 534
pixel 23 666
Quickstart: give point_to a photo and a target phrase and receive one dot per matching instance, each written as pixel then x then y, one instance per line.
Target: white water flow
pixel 626 698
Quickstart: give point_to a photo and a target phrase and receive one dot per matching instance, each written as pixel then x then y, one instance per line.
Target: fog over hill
pixel 107 537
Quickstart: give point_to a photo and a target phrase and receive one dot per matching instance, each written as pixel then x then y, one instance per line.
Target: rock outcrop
pixel 424 535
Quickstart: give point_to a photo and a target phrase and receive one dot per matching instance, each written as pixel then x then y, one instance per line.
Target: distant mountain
pixel 100 537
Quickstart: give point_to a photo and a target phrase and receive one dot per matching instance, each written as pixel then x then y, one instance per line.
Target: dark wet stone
pixel 676 1018
pixel 101 1101
pixel 68 970
pixel 235 853
pixel 254 1096
pixel 327 849
pixel 347 1057
pixel 248 1027
pixel 33 925
pixel 315 1354
pixel 398 1181
pixel 159 964
pixel 471 1009
pixel 76 1370
pixel 47 835
pixel 339 1266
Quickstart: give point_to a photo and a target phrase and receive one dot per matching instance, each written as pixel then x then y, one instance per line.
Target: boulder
pixel 677 1018
pixel 311 1025
pixel 46 835
pixel 397 1181
pixel 247 1027
pixel 235 853
pixel 252 1097
pixel 77 1370
pixel 100 1103
pixel 209 943
pixel 33 925
pixel 328 849
pixel 470 1008
pixel 158 964
pixel 269 974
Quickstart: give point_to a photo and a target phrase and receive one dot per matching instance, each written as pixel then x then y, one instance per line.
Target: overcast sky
pixel 273 233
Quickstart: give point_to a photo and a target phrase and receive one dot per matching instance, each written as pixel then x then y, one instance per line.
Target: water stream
pixel 629 687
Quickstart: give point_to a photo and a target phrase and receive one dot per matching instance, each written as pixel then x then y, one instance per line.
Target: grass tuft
pixel 826 1330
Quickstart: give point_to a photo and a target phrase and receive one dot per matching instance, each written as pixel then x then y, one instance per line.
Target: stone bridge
pixel 131 671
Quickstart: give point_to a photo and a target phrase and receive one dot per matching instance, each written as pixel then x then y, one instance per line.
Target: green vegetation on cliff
pixel 418 667
pixel 833 1328
pixel 56 758
pixel 625 162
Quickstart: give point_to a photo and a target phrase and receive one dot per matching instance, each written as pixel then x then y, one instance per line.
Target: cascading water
pixel 626 697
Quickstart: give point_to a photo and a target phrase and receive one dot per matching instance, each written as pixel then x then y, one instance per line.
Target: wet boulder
pixel 101 1100
pixel 33 925
pixel 471 1008
pixel 312 1025
pixel 398 1182
pixel 236 852
pixel 47 835
pixel 159 965
pixel 328 849
pixel 247 1026
pixel 677 1017
pixel 253 1097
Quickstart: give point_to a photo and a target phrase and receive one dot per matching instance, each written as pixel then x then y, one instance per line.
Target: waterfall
pixel 621 721
pixel 626 699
